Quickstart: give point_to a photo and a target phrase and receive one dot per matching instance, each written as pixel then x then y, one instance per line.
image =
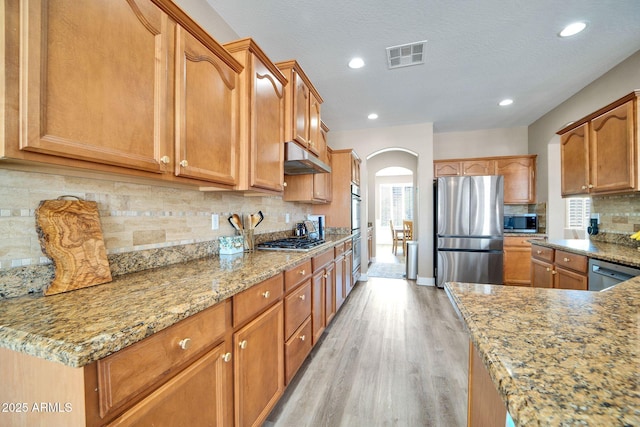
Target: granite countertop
pixel 530 235
pixel 600 250
pixel 558 357
pixel 82 326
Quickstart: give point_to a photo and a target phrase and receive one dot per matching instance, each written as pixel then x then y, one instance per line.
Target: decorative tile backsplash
pixel 136 219
pixel 619 218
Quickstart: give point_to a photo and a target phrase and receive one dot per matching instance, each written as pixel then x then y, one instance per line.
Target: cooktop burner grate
pixel 291 244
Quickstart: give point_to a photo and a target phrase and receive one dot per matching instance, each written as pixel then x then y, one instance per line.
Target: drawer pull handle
pixel 184 163
pixel 302 297
pixel 302 337
pixel 538 252
pixel 302 272
pixel 566 259
pixel 226 357
pixel 243 344
pixel 185 343
pixel 266 294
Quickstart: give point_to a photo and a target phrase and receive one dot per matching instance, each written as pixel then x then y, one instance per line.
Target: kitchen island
pixel 558 357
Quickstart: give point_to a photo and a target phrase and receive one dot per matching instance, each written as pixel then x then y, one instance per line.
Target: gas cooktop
pixel 291 244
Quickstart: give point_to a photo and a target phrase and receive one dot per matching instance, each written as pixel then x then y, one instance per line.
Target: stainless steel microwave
pixel 521 223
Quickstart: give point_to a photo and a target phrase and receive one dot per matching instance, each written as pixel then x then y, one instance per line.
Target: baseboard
pixel 426 281
pixel 363 278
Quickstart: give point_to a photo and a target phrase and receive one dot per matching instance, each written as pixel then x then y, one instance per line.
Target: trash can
pixel 412 260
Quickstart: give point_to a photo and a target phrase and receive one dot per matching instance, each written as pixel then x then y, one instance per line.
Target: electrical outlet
pixel 215 221
pixel 287 218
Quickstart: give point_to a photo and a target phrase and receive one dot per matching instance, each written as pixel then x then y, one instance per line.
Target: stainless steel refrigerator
pixel 469 229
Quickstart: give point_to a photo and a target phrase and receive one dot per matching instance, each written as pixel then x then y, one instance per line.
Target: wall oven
pixel 356 201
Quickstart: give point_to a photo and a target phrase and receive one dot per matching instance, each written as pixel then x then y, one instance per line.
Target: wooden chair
pixel 407 233
pixel 396 235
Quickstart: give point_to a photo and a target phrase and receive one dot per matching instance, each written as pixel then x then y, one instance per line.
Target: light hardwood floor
pixel 395 355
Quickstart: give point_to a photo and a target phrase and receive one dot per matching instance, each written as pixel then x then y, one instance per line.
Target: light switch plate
pixel 215 221
pixel 287 218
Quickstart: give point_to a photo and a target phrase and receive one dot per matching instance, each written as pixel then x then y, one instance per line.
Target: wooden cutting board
pixel 70 234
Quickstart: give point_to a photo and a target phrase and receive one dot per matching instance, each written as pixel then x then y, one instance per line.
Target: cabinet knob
pixel 590 185
pixel 184 163
pixel 566 259
pixel 266 294
pixel 165 160
pixel 302 272
pixel 554 272
pixel 302 297
pixel 185 343
pixel 584 187
pixel 243 344
pixel 303 337
pixel 284 184
pixel 325 275
pixel 548 269
pixel 226 357
pixel 538 252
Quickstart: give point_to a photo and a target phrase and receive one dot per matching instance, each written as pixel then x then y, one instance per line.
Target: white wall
pixel 201 12
pixel 418 139
pixel 481 143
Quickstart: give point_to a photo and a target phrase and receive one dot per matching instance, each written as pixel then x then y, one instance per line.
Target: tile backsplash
pixel 619 217
pixel 134 217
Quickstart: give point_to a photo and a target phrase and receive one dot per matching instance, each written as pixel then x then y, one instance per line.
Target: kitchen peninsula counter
pixel 558 357
pixel 593 249
pixel 79 327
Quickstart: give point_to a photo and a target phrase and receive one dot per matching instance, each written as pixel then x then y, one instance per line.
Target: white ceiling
pixel 478 52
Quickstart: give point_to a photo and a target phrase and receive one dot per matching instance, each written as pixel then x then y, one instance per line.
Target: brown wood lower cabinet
pixel 485 406
pixel 558 269
pixel 517 261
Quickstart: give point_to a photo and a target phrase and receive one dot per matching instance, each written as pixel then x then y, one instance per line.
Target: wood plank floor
pixel 395 355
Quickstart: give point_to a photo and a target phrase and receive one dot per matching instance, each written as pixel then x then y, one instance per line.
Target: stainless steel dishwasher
pixel 603 274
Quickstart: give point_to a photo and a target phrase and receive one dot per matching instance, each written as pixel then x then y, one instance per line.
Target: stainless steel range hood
pixel 298 161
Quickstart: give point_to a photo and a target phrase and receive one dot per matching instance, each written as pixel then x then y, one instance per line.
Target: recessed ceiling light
pixel 372 116
pixel 356 63
pixel 573 29
pixel 505 102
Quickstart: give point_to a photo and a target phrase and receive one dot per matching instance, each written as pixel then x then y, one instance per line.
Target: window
pixel 396 203
pixel 578 213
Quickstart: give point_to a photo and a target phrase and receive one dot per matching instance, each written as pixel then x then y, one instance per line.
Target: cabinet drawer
pixel 249 303
pixel 517 241
pixel 297 275
pixel 348 245
pixel 296 349
pixel 125 374
pixel 321 260
pixel 297 307
pixel 540 252
pixel 338 250
pixel 571 261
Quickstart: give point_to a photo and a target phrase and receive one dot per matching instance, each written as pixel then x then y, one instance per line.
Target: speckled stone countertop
pixel 82 326
pixel 558 357
pixel 605 251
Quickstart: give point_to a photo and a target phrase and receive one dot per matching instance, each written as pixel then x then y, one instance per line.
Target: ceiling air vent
pixel 406 54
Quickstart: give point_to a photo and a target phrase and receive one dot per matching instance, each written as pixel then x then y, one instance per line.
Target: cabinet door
pixel 317 305
pixel 478 167
pixel 613 151
pixel 96 92
pixel 207 137
pixel 328 179
pixel 329 293
pixel 348 274
pixel 340 291
pixel 267 130
pixel 198 396
pixel 541 274
pixel 446 169
pixel 517 264
pixel 567 279
pixel 301 104
pixel 259 367
pixel 315 140
pixel 519 179
pixel 574 160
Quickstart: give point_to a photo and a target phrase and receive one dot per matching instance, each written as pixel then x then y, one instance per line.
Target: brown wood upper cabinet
pixel 262 114
pixel 599 153
pixel 303 103
pixel 127 87
pixel 519 174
